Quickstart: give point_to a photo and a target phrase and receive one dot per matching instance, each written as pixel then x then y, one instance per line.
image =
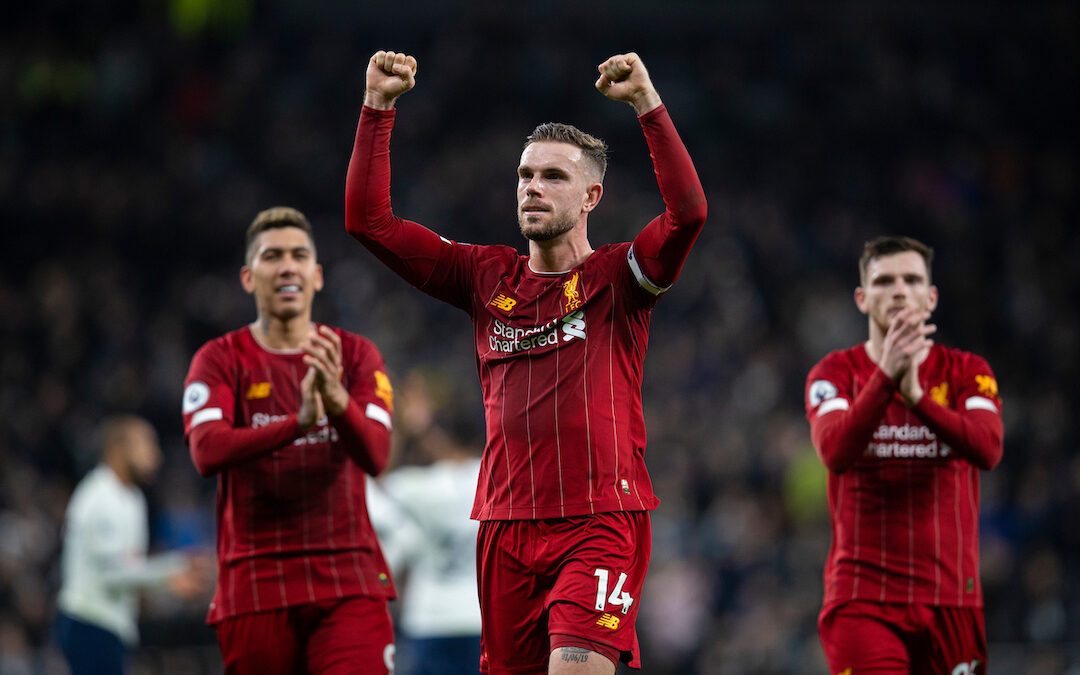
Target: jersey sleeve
pixel 660 249
pixel 209 408
pixel 208 390
pixel 431 263
pixel 974 429
pixel 842 424
pixel 366 423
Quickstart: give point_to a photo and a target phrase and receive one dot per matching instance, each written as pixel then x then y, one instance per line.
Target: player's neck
pixel 558 255
pixel 117 466
pixel 876 342
pixel 283 335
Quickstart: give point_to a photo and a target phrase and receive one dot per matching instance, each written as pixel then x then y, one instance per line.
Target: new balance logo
pixel 504 302
pixel 608 621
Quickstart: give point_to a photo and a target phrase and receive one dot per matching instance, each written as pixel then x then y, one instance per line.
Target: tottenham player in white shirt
pixel 104 563
pixel 421 516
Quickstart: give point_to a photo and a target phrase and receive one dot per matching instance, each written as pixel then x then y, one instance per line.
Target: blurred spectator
pixel 421 514
pixel 104 559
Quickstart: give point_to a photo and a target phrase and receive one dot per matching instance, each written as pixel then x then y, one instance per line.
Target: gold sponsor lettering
pixel 258 390
pixel 383 389
pixel 608 621
pixel 504 302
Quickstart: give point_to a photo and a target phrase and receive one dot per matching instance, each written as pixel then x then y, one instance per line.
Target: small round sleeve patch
pixel 821 390
pixel 195 396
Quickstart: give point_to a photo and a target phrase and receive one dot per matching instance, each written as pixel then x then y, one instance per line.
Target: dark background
pixel 137 141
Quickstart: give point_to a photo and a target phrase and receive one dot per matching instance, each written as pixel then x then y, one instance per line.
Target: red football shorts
pixel 886 638
pixel 332 637
pixel 560 582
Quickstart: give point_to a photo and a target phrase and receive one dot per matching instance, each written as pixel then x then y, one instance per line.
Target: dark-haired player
pixel 291 416
pixel 904 426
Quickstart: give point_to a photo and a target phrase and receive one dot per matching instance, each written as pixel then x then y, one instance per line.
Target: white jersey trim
pixel 378 414
pixel 832 405
pixel 980 403
pixel 642 280
pixel 206 415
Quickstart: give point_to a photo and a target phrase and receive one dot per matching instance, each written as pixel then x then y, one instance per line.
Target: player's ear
pixel 860 300
pixel 246 280
pixel 318 278
pixel 933 298
pixel 592 197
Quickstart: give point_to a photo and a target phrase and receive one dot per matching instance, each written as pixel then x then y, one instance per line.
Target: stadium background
pixel 137 140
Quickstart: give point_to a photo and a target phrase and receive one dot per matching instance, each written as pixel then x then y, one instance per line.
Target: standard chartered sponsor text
pixel 321 432
pixel 508 339
pixel 899 441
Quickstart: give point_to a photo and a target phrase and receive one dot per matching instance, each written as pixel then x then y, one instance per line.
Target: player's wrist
pixel 336 402
pixel 646 102
pixel 378 100
pixel 912 397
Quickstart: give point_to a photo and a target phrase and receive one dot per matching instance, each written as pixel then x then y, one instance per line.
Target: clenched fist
pixel 389 75
pixel 623 77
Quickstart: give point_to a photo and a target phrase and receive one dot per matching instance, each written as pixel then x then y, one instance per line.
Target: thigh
pixel 89 649
pixel 956 643
pixel 864 637
pixel 512 596
pixel 596 595
pixel 263 643
pixel 351 636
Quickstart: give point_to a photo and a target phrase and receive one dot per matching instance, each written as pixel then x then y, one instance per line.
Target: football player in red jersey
pixel 904 426
pixel 291 416
pixel 560 335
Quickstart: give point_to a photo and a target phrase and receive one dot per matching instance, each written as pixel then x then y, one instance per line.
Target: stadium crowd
pixel 137 140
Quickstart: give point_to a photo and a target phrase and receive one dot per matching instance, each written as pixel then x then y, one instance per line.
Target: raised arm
pixel 661 248
pixel 407 248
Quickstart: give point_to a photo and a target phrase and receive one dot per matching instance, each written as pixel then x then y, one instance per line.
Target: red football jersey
pixel 292 522
pixel 559 356
pixel 905 502
pixel 560 360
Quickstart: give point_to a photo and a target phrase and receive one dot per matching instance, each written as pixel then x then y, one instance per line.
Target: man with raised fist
pixel 560 334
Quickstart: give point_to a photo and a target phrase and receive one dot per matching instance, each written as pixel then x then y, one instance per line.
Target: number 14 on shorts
pixel 618 597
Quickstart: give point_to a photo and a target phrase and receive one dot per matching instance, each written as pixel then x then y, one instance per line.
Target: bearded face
pixel 553 189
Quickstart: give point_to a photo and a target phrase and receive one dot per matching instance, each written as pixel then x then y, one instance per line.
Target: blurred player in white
pixel 104 563
pixel 421 515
